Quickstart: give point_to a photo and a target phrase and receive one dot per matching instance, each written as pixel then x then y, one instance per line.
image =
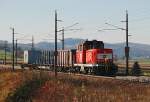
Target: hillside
pixel 136 50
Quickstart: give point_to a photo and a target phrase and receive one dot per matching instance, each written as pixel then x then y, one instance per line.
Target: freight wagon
pixel 66 59
pixel 36 58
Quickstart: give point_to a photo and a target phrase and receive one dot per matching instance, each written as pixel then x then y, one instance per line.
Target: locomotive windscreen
pixel 98 44
pixel 93 45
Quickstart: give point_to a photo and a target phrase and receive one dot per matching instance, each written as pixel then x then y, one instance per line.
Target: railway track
pixel 140 79
pixel 137 79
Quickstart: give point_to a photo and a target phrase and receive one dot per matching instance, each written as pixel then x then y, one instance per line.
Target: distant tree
pixel 136 69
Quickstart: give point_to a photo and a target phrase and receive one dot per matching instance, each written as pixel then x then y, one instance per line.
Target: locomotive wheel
pixel 63 69
pixel 95 71
pixel 86 70
pixel 59 69
pixel 72 70
pixel 77 69
pixel 22 66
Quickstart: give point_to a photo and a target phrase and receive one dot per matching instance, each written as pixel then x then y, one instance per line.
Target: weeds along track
pixel 135 79
pixel 87 75
pixel 140 79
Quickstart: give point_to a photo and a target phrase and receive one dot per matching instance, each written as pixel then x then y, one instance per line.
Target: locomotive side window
pixel 80 47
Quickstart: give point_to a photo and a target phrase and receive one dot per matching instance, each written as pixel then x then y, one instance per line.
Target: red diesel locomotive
pixel 92 57
pixel 89 57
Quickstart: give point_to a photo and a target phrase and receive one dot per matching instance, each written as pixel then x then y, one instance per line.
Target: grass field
pixel 82 89
pixel 144 63
pixel 141 61
pixel 44 87
pixel 2 55
pixel 9 57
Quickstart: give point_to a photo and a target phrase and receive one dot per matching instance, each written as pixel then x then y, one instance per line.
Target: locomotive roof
pixel 92 41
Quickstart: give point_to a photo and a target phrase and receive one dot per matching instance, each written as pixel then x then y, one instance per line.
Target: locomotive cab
pixel 86 46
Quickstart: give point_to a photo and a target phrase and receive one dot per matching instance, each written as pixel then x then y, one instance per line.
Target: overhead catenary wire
pixel 140 19
pixel 71 25
pixel 127 35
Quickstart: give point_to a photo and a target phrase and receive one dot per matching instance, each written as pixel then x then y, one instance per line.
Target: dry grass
pixel 70 88
pixel 8 82
pixel 32 80
pixel 78 89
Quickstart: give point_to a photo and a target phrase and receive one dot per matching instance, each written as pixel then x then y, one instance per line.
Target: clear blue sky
pixel 36 17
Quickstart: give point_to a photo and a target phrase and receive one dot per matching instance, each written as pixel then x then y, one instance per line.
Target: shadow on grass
pixel 24 92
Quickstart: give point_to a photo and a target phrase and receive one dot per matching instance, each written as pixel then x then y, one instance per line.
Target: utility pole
pixel 16 54
pixel 5 51
pixel 55 63
pixel 63 43
pixel 127 46
pixel 65 29
pixel 32 42
pixel 127 42
pixel 13 67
